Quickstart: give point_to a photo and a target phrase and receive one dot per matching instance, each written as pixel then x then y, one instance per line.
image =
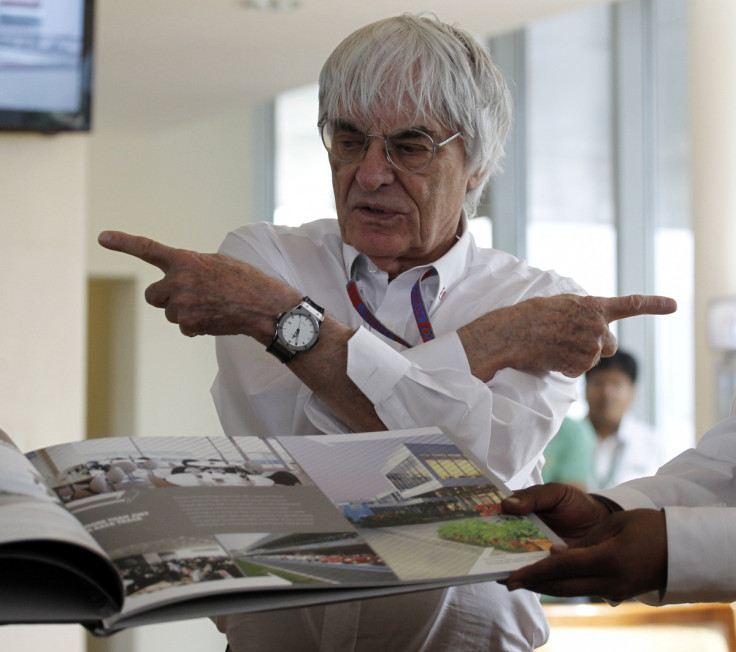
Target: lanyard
pixel 417 305
pixel 615 460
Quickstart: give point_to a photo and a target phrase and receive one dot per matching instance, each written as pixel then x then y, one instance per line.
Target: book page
pixel 184 518
pixel 52 569
pixel 417 500
pixel 178 516
pixel 29 509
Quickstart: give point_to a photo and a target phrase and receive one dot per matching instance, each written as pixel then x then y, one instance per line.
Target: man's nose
pixel 374 169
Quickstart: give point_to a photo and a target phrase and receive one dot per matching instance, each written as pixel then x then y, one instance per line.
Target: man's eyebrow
pixel 432 133
pixel 347 123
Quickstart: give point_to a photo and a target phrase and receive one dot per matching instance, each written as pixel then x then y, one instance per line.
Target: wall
pixel 713 93
pixel 42 303
pixel 185 187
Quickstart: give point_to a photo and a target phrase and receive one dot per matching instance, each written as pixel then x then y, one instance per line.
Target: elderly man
pixel 391 317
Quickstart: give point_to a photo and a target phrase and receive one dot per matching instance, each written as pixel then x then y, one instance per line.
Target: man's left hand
pixel 567 510
pixel 622 557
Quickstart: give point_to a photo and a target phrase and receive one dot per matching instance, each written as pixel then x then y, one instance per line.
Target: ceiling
pixel 162 63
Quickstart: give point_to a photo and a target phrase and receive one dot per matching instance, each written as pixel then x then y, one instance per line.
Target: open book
pixel 117 532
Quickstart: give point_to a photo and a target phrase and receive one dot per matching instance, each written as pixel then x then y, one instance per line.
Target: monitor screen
pixel 45 65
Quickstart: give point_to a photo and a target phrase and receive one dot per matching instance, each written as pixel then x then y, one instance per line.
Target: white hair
pixel 441 71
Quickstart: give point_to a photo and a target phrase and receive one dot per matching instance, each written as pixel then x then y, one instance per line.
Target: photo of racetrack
pixel 333 558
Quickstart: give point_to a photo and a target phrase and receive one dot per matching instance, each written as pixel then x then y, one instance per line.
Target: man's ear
pixel 474 180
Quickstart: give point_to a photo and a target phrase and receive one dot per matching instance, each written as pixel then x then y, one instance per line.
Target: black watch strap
pixel 280 351
pixel 610 505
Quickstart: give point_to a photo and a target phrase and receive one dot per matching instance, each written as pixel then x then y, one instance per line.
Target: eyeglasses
pixel 407 149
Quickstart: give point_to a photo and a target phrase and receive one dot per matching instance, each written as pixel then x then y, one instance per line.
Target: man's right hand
pixel 566 333
pixel 208 294
pixel 615 556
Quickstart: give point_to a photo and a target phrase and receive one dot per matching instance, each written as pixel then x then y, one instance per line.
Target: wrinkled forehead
pixel 387 119
pixel 387 102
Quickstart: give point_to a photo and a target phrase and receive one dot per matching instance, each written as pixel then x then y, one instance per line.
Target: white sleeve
pixel 696 490
pixel 505 423
pixel 700 548
pixel 701 476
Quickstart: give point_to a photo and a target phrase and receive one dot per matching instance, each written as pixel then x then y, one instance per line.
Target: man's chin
pixel 378 244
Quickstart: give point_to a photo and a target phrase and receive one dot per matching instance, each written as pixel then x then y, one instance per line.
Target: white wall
pixel 713 93
pixel 42 296
pixel 186 187
pixel 42 266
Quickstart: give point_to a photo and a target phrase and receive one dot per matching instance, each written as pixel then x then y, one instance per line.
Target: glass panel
pixel 303 181
pixel 571 203
pixel 674 259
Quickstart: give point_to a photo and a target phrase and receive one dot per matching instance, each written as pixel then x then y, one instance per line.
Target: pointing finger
pixel 637 304
pixel 146 249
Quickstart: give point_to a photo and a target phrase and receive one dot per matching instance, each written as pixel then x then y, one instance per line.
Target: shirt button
pixel 372 268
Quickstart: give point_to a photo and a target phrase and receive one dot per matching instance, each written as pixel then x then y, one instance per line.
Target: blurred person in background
pixel 626 447
pixel 568 457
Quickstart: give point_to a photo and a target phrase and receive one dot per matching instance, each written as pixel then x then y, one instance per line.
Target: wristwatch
pixel 296 330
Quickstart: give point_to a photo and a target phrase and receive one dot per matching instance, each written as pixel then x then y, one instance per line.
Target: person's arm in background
pixel 675 538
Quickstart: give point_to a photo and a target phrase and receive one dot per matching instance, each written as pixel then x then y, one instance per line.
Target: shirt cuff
pixel 373 366
pixel 611 505
pixel 626 497
pixel 700 544
pixel 444 352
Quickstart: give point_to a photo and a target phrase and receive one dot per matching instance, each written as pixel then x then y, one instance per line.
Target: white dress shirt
pixel 505 423
pixel 697 490
pixel 635 451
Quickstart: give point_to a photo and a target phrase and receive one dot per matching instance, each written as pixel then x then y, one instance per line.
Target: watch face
pixel 298 331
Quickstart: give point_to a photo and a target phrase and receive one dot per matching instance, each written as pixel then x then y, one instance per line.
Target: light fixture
pixel 271 5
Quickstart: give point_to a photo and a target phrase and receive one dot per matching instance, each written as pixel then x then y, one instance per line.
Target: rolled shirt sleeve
pixel 499 423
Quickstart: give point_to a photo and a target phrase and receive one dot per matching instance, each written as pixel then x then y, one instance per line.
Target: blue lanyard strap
pixel 417 305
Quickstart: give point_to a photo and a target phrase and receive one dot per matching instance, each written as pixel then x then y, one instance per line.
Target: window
pixel 303 185
pixel 597 188
pixel 570 151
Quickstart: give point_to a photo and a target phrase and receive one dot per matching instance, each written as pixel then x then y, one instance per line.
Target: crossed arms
pixel 212 294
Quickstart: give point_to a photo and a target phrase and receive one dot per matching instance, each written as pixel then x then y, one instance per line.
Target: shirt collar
pixel 450 267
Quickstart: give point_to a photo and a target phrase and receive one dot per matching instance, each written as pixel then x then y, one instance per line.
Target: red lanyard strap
pixel 417 305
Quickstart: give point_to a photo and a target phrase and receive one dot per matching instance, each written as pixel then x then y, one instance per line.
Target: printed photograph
pixel 421 492
pixel 170 563
pixel 307 558
pixel 96 466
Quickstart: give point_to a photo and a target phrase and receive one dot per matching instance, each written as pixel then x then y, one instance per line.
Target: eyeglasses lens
pixel 410 150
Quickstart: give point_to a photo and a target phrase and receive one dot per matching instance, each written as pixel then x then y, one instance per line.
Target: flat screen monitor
pixel 46 65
